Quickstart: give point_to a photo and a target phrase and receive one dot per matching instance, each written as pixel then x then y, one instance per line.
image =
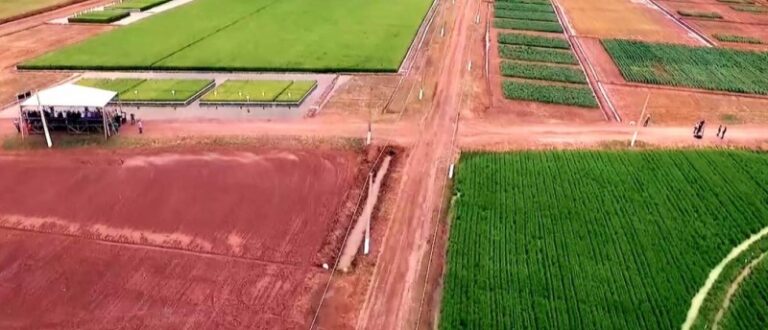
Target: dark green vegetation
pixel 138 5
pixel 531 40
pixel 152 90
pixel 750 9
pixel 100 16
pixel 535 54
pixel 739 39
pixel 537 2
pixel 714 301
pixel 526 15
pixel 737 1
pixel 749 306
pixel 594 239
pixel 513 24
pixel 700 14
pixel 697 67
pixel 525 7
pixel 571 74
pixel 259 91
pixel 258 35
pixel 555 94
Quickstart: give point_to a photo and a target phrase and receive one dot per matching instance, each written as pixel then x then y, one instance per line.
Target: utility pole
pixel 640 120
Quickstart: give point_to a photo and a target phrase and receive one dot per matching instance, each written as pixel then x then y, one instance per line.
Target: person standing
pixel 722 135
pixel 17 124
pixel 719 129
pixel 141 127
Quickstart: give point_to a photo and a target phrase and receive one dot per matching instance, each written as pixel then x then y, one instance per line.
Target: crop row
pixel 749 8
pixel 543 72
pixel 735 38
pixel 594 239
pixel 697 67
pixel 532 40
pixel 534 54
pixel 513 24
pixel 700 14
pixel 526 15
pixel 543 8
pixel 554 94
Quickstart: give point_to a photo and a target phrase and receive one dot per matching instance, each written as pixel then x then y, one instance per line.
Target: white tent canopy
pixel 70 95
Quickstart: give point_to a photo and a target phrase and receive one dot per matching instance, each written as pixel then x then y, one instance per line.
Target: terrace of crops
pixel 719 69
pixel 254 35
pixel 539 68
pixel 594 239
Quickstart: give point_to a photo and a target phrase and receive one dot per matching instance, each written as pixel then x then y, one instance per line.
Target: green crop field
pixel 555 94
pixel 533 54
pixel 749 305
pixel 525 7
pixel 259 91
pixel 531 40
pixel 594 239
pixel 526 15
pixel 9 8
pixel 164 90
pixel 139 5
pixel 543 72
pixel 720 69
pixel 514 24
pixel 735 38
pixel 700 14
pixel 255 35
pixel 115 85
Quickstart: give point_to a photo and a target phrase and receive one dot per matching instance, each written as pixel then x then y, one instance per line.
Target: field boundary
pixel 420 35
pixel 707 42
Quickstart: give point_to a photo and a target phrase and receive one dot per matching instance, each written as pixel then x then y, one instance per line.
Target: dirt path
pixel 394 297
pixel 698 299
pixel 732 289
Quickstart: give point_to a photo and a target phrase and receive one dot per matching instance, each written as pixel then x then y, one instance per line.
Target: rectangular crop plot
pixel 700 14
pixel 514 24
pixel 719 69
pixel 594 239
pixel 260 91
pixel 139 5
pixel 100 16
pixel 531 40
pixel 525 15
pixel 555 94
pixel 535 54
pixel 543 8
pixel 738 39
pixel 543 72
pixel 165 90
pixel 116 85
pixel 255 35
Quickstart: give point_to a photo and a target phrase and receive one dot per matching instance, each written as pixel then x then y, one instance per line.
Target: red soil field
pixel 192 238
pixel 729 15
pixel 746 30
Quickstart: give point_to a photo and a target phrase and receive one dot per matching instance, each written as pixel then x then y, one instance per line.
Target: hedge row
pixel 533 54
pixel 526 15
pixel 531 40
pixel 567 95
pixel 513 24
pixel 543 72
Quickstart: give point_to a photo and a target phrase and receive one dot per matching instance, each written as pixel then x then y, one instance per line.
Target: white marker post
pixel 368 138
pixel 639 122
pixel 450 172
pixel 45 123
pixel 421 93
pixel 367 245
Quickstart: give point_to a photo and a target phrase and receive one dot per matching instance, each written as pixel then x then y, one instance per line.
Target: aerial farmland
pixel 410 164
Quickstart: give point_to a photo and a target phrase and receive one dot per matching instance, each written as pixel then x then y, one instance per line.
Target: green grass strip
pixel 100 16
pixel 535 2
pixel 738 39
pixel 526 15
pixel 297 91
pixel 543 72
pixel 566 95
pixel 140 5
pixel 164 90
pixel 526 53
pixel 247 91
pixel 700 14
pixel 544 8
pixel 116 85
pixel 531 40
pixel 737 1
pixel 513 24
pixel 749 9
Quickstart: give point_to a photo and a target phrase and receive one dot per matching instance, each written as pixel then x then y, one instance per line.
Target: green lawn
pixel 10 8
pixel 263 35
pixel 595 239
pixel 247 91
pixel 164 90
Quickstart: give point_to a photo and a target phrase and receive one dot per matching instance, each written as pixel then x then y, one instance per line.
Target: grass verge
pixel 100 16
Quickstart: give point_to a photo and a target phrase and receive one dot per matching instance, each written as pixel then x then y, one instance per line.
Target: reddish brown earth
pixel 195 237
pixel 712 27
pixel 729 15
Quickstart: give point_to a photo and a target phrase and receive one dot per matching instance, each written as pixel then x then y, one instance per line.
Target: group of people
pixel 698 130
